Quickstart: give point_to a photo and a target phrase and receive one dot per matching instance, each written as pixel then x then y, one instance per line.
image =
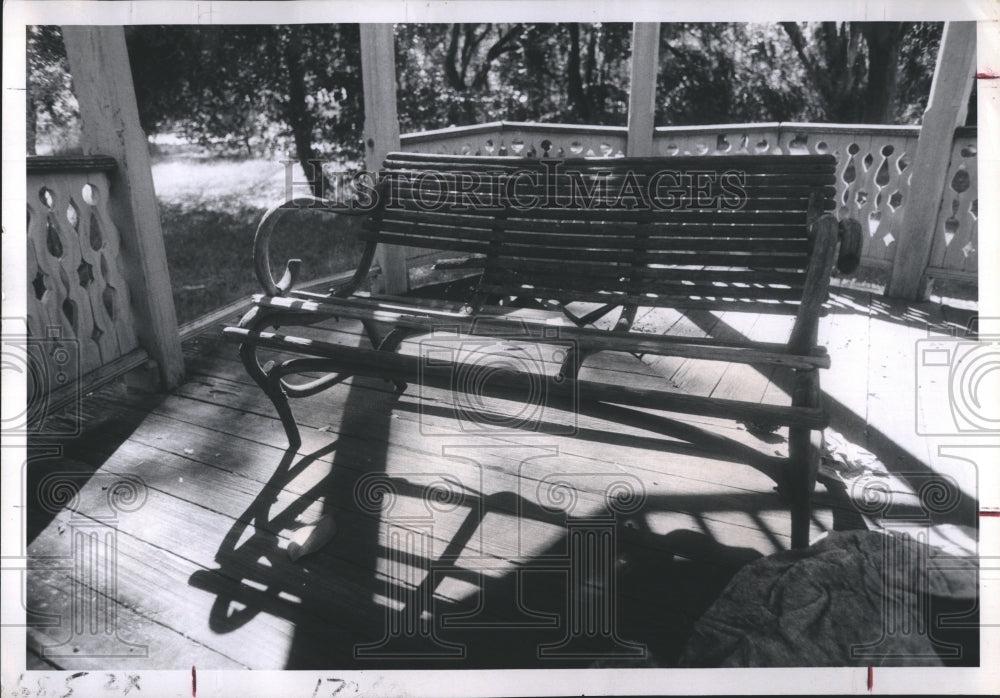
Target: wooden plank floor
pixel 159 534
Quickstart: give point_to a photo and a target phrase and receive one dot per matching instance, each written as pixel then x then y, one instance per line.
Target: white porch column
pixel 642 89
pixel 102 83
pixel 381 133
pixel 946 109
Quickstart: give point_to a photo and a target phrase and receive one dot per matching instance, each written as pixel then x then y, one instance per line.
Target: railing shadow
pixel 845 420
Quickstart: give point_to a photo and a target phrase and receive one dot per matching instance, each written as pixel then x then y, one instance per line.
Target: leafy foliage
pixel 853 69
pixel 728 73
pixel 52 112
pixel 463 74
pixel 252 88
pixel 258 90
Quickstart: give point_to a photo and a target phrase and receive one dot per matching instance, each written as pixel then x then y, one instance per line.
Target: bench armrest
pixel 262 238
pixel 824 232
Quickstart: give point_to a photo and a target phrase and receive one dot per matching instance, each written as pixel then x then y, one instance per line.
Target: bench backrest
pixel 711 232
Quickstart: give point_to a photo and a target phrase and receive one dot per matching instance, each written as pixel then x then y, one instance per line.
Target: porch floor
pixel 457 544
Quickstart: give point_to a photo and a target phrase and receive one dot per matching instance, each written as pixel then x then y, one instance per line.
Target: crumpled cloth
pixel 855 598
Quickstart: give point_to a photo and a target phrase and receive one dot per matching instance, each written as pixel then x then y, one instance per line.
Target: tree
pixel 471 73
pixel 254 88
pixel 52 111
pixel 854 67
pixel 268 89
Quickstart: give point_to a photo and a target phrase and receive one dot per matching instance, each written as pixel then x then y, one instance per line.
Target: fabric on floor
pixel 828 605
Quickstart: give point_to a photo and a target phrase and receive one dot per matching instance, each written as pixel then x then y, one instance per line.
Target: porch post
pixel 381 133
pixel 102 83
pixel 946 109
pixel 642 88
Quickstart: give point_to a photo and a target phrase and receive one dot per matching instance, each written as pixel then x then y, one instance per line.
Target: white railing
pixel 872 176
pixel 80 320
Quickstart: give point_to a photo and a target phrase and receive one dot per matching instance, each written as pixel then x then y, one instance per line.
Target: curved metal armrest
pixel 262 238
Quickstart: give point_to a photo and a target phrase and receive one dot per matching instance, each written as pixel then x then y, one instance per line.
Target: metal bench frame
pixel 625 257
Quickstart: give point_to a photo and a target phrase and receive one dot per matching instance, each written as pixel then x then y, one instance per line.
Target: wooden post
pixel 946 109
pixel 642 90
pixel 378 75
pixel 102 82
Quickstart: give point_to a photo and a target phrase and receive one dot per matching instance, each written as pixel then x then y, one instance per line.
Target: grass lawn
pixel 210 208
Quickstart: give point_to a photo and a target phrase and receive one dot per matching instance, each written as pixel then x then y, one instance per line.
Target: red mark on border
pixel 871 678
pixel 194 682
pixel 987 76
pixel 989 512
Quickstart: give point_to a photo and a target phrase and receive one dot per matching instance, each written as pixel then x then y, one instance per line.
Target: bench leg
pixel 803 459
pixel 804 448
pixel 266 376
pixel 269 381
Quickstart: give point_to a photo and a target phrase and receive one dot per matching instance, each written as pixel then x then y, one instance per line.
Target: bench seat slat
pixel 515 223
pixel 761 260
pixel 719 301
pixel 744 216
pixel 528 203
pixel 405 314
pixel 401 367
pixel 478 192
pixel 816 176
pixel 676 243
pixel 675 273
pixel 676 288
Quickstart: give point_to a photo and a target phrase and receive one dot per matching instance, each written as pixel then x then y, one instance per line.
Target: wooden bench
pixel 744 233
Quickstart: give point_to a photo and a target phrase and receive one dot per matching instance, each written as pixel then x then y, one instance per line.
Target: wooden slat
pixel 711 302
pixel 410 369
pixel 694 273
pixel 435 243
pixel 580 187
pixel 524 223
pixel 600 193
pixel 823 177
pixel 688 215
pixel 660 242
pixel 569 278
pixel 534 331
pixel 775 260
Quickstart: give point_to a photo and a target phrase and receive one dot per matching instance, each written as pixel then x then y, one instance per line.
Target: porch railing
pixel 80 320
pixel 872 176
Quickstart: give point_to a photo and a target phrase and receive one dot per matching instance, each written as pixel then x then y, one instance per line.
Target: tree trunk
pixel 883 39
pixel 31 126
pixel 574 86
pixel 450 72
pixel 299 118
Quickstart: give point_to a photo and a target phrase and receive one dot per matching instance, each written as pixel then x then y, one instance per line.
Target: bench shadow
pixel 360 602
